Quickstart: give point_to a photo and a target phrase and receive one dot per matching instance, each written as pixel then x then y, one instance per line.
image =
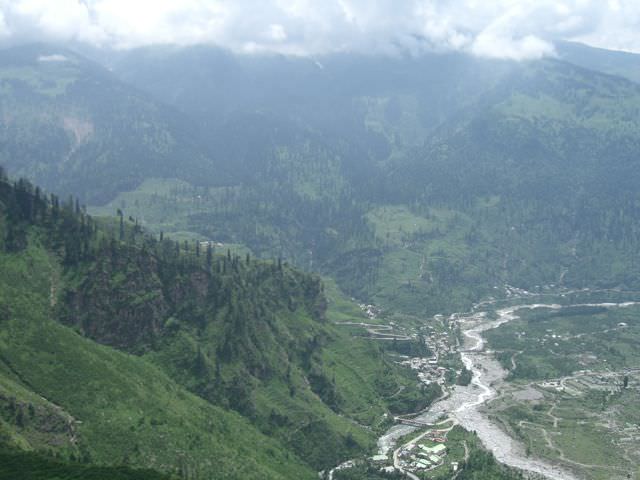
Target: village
pixel 437 449
pixel 426 453
pixel 440 344
pixel 583 381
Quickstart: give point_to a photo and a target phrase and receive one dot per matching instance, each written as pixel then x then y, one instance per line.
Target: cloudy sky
pixel 518 29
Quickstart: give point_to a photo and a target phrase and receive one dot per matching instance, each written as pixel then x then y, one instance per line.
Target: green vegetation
pixel 366 471
pixel 107 407
pixel 28 466
pixel 72 127
pixel 479 464
pixel 210 334
pixel 464 450
pixel 581 409
pixel 551 343
pixel 420 200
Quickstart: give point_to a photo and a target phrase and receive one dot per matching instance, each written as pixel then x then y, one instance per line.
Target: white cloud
pixel 27 20
pixel 619 27
pixel 56 57
pixel 486 44
pixel 516 29
pixel 276 32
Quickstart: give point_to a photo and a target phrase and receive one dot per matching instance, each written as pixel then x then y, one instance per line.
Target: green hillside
pixel 30 466
pixel 200 352
pixel 66 394
pixel 539 184
pixel 525 179
pixel 196 309
pixel 72 127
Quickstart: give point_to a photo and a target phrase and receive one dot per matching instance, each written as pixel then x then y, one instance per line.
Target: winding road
pixel 461 405
pixel 378 331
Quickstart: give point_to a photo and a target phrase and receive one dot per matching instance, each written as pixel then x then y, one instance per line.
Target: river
pixel 464 403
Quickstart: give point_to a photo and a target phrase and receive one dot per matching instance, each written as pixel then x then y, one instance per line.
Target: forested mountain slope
pixel 65 394
pixel 71 126
pixel 444 178
pixel 546 173
pixel 206 335
pixel 421 183
pixel 31 466
pixel 619 63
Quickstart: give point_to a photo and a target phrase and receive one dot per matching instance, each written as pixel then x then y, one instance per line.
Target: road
pixel 463 403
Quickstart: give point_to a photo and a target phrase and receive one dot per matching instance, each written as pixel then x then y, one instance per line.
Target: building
pixel 439 449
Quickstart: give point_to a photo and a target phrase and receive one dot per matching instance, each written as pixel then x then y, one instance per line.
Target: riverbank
pixel 464 405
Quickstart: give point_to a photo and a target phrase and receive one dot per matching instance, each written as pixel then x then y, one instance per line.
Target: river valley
pixel 463 405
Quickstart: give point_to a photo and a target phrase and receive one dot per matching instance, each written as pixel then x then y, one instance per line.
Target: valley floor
pixel 579 425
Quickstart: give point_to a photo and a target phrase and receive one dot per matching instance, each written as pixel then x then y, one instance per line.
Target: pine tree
pixel 121 215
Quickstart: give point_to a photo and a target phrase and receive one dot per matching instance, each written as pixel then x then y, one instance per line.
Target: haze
pixel 515 29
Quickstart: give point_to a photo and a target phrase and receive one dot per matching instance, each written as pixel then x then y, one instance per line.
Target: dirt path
pixel 400 389
pixel 552 416
pixel 514 365
pixel 545 435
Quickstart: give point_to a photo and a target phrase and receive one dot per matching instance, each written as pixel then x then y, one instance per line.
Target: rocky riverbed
pixel 463 404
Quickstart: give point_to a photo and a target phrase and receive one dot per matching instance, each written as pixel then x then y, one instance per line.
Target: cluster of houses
pixel 428 369
pixel 584 380
pixel 441 341
pixel 371 311
pixel 207 243
pixel 423 457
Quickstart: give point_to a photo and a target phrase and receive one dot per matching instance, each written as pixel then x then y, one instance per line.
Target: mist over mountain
pixel 444 130
pixel 230 262
pixel 72 126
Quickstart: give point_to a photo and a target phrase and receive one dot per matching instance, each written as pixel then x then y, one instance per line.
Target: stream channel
pixel 463 405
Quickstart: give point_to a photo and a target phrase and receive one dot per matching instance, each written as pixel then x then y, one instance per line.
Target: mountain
pixel 70 125
pixel 192 322
pixel 375 106
pixel 618 63
pixel 420 183
pixel 120 349
pixel 65 394
pixel 545 164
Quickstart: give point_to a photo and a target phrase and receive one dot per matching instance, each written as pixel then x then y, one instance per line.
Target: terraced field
pixel 573 391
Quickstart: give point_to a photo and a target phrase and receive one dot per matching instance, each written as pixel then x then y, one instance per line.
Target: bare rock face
pixel 132 300
pixel 120 302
